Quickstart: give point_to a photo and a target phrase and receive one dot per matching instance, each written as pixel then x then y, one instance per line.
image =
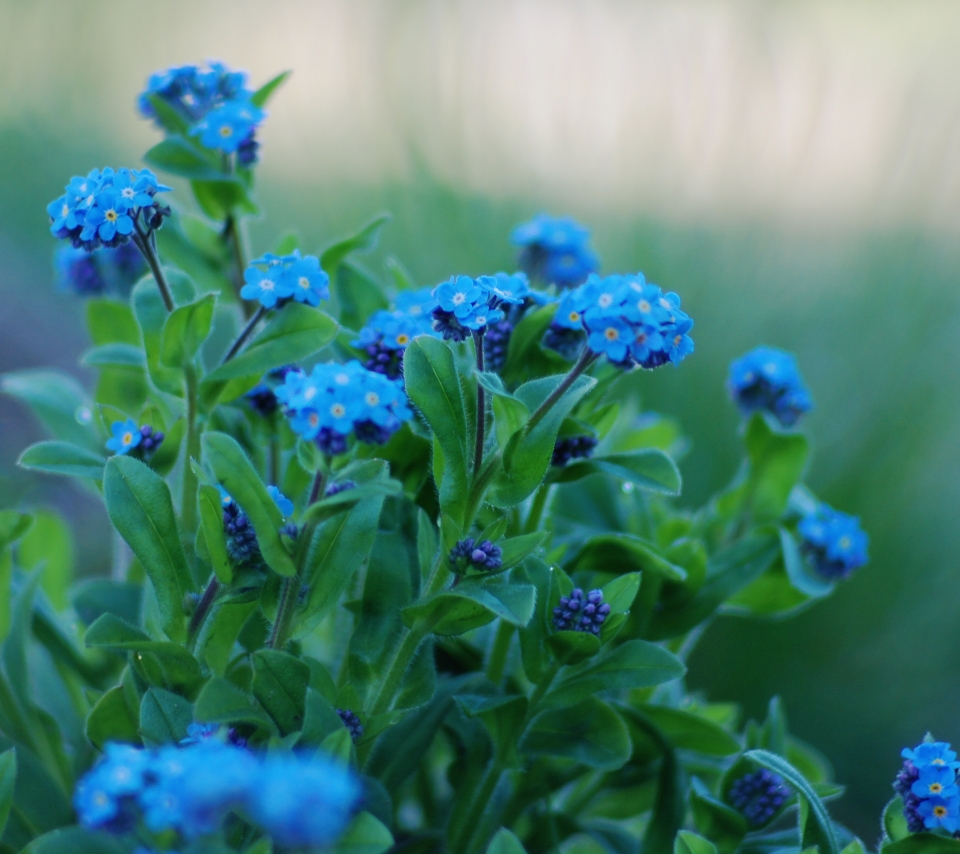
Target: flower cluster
pixel 276 279
pixel 190 790
pixel 927 783
pixel 833 542
pixel 90 274
pixel 333 401
pixel 768 380
pixel 127 436
pixel 213 101
pixel 759 796
pixel 496 344
pixel 581 615
pixel 572 448
pixel 105 208
pixel 262 397
pixel 386 334
pixel 242 544
pixel 468 306
pixel 555 250
pixel 626 319
pixel 352 723
pixel 469 554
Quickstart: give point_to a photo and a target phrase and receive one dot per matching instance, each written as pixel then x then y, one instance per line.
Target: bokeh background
pixel 791 168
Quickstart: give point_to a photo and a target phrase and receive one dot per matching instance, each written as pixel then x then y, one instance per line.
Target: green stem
pixel 188 504
pixel 231 234
pixel 587 358
pixel 245 333
pixel 142 242
pixel 536 508
pixel 542 687
pixel 473 825
pixel 203 608
pixel 499 652
pixel 481 406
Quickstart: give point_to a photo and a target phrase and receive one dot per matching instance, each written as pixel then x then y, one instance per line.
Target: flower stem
pixel 536 508
pixel 203 608
pixel 499 652
pixel 148 250
pixel 587 357
pixel 245 333
pixel 188 503
pixel 481 406
pixel 231 234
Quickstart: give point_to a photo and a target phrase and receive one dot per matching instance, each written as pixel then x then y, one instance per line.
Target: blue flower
pixel 261 285
pixel 283 503
pixel 833 542
pixel 109 216
pixel 610 335
pixel 496 345
pixel 304 281
pixel 481 556
pixel 936 753
pixel 226 127
pixel 460 296
pixel 941 813
pixel 759 796
pixel 935 780
pixel 96 806
pixel 505 288
pixel 767 379
pixel 555 250
pixel 193 90
pixel 301 802
pixel 126 436
pixel 569 314
pixel 78 272
pixel 419 303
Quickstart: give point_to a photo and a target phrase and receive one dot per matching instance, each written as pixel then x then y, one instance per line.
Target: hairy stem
pixel 231 234
pixel 245 333
pixel 203 608
pixel 149 252
pixel 586 359
pixel 188 503
pixel 499 652
pixel 473 826
pixel 481 406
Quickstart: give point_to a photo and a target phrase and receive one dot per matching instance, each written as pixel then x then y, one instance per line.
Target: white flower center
pixel 459 298
pixel 372 398
pixel 605 300
pixel 338 410
pixel 304 283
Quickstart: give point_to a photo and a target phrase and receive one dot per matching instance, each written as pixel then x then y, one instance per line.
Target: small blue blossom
pixel 759 796
pixel 767 379
pixel 304 281
pixel 833 542
pixel 126 436
pixel 504 288
pixel 555 250
pixel 936 753
pixel 284 504
pixel 193 90
pixel 935 780
pixel 611 336
pixel 460 296
pixel 261 285
pixel 940 813
pixel 96 807
pixel 226 127
pixel 419 303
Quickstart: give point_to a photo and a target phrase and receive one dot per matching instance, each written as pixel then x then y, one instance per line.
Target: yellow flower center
pixel 936 788
pixel 574 316
pixel 938 762
pixel 127 438
pixel 403 338
pixel 844 543
pixel 226 131
pixel 676 340
pixel 65 210
pixel 939 811
pixel 111 215
pixel 611 334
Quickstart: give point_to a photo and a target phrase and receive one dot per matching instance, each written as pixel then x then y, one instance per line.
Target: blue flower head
pixel 227 126
pixel 935 781
pixel 506 289
pixel 126 436
pixel 192 91
pixel 940 812
pixel 580 613
pixel 767 379
pixel 935 753
pixel 759 796
pixel 555 250
pixel 284 504
pixel 274 279
pixel 419 303
pixel 833 542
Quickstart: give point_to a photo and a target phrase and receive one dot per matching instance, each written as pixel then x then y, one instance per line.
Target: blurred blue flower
pixel 555 250
pixel 227 126
pixel 759 796
pixel 284 504
pixel 833 542
pixel 767 379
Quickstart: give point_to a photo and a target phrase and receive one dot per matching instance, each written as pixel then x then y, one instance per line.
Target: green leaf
pixel 226 624
pixel 49 543
pixel 716 820
pixel 690 843
pixel 433 384
pixel 573 647
pixel 690 731
pixel 363 241
pixel 13 526
pixel 620 593
pixel 59 401
pixel 777 462
pixel 356 294
pixel 211 523
pixel 265 92
pixel 364 835
pixel 185 330
pixel 165 457
pixel 818 829
pixel 669 806
pixel 280 684
pixel 470 605
pixel 923 843
pixel 509 413
pixel 222 702
pixel 8 777
pixel 797 571
pixel 178 156
pixel 164 717
pixel 75 840
pixel 618 553
pixel 223 197
pixel 634 664
pixel 114 355
pixel 62 458
pixel 505 842
pixel 112 719
pixel 894 821
pixel 292 335
pixel 590 732
pixel 855 847
pixel 528 452
pixel 319 720
pixel 514 550
pixel 139 505
pixel 237 475
pixel 168 117
pixel 98 596
pixel 112 322
pixel 151 316
pixel 648 469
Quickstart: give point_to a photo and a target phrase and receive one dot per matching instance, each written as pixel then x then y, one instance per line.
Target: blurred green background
pixel 792 169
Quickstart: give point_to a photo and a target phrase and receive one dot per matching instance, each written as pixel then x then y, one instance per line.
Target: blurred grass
pixel 873 318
